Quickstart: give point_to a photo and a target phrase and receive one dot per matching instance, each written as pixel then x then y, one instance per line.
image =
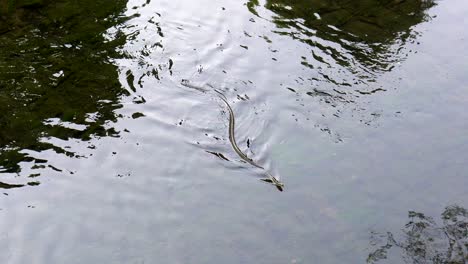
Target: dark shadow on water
pixel 365 37
pixel 56 76
pixel 426 241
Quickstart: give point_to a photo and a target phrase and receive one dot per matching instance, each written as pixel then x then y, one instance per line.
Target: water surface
pixel 358 107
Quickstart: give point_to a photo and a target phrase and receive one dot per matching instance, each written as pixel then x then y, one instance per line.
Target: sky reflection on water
pixel 359 107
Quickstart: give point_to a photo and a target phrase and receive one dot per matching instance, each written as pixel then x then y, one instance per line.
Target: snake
pixel 232 139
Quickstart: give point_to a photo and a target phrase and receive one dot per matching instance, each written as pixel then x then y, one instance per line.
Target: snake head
pixel 279 185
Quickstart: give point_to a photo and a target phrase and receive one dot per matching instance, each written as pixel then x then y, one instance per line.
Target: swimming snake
pixel 270 179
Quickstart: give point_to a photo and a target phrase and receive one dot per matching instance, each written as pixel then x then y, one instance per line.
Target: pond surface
pixel 116 148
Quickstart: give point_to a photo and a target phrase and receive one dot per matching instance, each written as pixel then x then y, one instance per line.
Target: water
pixel 358 107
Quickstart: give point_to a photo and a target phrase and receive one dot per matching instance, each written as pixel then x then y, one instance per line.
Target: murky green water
pixel 115 147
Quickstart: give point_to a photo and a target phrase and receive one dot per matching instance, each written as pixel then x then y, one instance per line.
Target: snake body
pixel 270 179
pixel 232 137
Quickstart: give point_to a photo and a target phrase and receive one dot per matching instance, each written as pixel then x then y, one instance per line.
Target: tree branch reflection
pixel 425 241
